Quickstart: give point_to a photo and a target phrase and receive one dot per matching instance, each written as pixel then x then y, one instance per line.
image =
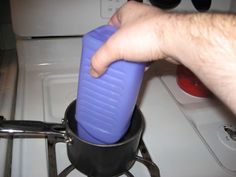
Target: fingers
pixel 124 11
pixel 115 20
pixel 106 54
pixel 116 47
pixel 103 58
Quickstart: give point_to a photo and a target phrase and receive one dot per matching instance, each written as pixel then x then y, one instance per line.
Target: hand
pixel 203 42
pixel 137 38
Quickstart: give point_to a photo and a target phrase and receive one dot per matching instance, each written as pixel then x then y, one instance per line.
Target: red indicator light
pixel 188 82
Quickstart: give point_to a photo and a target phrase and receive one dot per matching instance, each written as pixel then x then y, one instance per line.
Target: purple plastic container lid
pixel 105 105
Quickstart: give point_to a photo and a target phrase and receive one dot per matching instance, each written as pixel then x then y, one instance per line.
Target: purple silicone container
pixel 105 105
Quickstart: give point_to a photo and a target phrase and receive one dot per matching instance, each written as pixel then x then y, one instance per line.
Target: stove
pixel 185 136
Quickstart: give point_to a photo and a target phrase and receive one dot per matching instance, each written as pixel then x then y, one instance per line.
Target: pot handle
pixel 31 129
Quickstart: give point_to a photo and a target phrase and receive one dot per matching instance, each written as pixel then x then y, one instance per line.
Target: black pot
pixel 103 160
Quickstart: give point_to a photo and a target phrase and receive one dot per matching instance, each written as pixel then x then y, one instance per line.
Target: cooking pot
pixel 91 159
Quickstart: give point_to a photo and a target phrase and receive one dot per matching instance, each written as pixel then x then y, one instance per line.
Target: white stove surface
pixel 176 133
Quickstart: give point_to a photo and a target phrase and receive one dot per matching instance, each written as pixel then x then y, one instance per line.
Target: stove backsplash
pixel 73 17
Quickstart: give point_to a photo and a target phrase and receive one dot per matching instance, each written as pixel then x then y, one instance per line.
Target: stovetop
pixel 185 136
pixel 174 135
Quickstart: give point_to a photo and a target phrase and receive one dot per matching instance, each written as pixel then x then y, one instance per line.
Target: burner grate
pixel 145 159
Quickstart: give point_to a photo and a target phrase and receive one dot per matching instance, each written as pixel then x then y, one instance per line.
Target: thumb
pixel 104 56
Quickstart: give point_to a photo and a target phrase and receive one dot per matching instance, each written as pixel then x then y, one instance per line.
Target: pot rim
pixel 119 143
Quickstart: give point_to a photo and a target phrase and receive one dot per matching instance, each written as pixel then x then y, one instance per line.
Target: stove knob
pixel 188 82
pixel 136 0
pixel 2 118
pixel 227 136
pixel 202 5
pixel 165 4
pixel 231 132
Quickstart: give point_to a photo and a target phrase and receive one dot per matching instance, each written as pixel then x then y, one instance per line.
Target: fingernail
pixel 93 72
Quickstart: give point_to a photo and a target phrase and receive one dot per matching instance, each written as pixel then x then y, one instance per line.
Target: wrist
pixel 168 29
pixel 185 39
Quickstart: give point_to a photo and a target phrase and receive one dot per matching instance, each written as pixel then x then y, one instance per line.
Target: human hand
pixel 137 38
pixel 203 42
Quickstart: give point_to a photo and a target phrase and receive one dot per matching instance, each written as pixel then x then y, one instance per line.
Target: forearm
pixel 206 44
